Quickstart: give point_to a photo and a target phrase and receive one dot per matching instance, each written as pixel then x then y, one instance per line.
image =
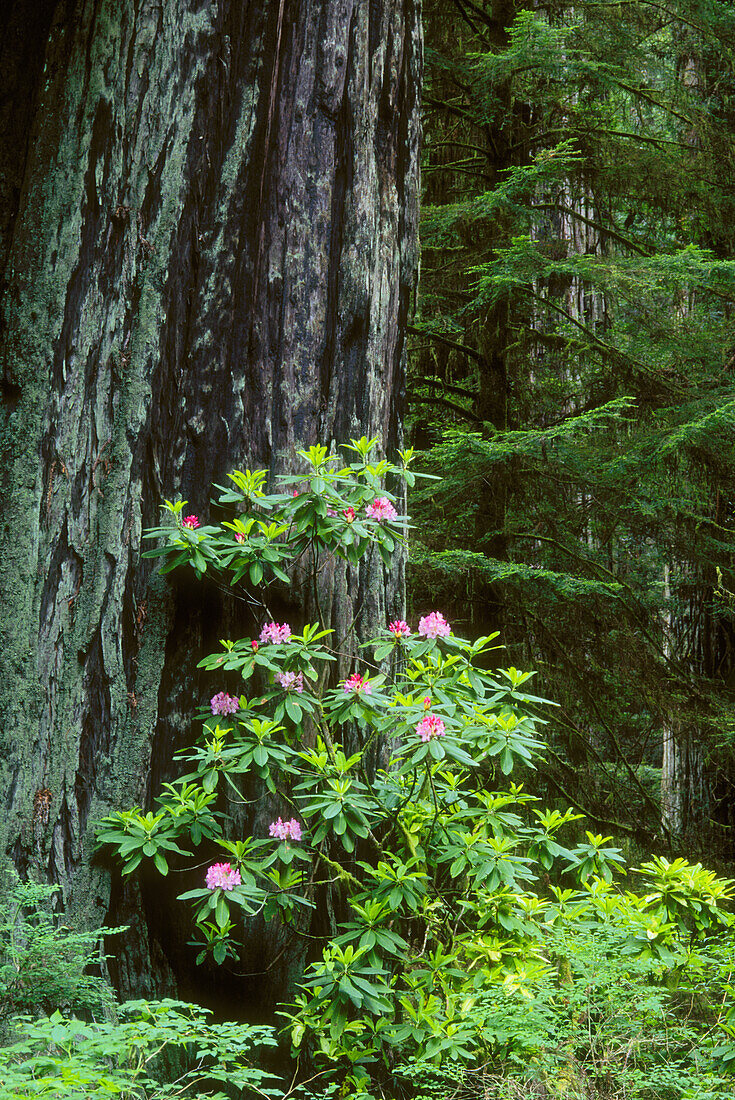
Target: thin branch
pixel 478 356
pixel 658 141
pixel 616 826
pixel 553 206
pixel 609 348
pixel 428 381
pixel 674 17
pixel 441 103
pixel 641 94
pixel 414 400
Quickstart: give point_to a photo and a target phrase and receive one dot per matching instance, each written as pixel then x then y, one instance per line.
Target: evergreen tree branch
pixel 589 696
pixel 427 380
pixel 471 353
pixel 657 141
pixel 639 93
pixel 553 206
pixel 674 17
pixel 414 399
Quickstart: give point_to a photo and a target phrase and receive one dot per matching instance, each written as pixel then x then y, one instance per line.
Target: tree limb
pixel 470 352
pixel 413 399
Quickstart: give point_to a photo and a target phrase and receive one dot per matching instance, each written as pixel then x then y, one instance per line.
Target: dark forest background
pixel 571 379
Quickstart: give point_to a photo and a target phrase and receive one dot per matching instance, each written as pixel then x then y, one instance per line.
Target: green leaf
pixel 293 709
pixel 506 761
pixel 222 911
pixel 160 861
pixel 436 749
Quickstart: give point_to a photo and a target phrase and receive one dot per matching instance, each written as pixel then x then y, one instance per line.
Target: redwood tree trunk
pixel 209 213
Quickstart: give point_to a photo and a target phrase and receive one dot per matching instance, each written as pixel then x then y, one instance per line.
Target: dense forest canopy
pixel 572 369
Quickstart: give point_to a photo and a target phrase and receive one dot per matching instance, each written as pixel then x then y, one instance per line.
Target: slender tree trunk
pixel 672 778
pixel 209 215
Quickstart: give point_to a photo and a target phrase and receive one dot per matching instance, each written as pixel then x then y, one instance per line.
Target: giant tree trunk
pixel 209 215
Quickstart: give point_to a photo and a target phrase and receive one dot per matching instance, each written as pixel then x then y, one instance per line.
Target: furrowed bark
pixel 209 255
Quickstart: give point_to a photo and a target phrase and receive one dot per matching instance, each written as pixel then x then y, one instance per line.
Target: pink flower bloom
pixel 285 830
pixel 255 646
pixel 430 726
pixel 357 685
pixel 349 514
pixel 381 509
pixel 399 628
pixel 239 537
pixel 222 703
pixel 192 522
pixel 291 681
pixel 295 493
pixel 434 626
pixel 427 702
pixel 222 875
pixel 275 632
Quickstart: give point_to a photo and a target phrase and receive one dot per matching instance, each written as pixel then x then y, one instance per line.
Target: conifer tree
pixel 576 337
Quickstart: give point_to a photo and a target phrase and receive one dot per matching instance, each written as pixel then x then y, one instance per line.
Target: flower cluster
pixel 222 703
pixel 357 685
pixel 275 632
pixel 192 522
pixel 430 726
pixel 381 509
pixel 239 537
pixel 222 875
pixel 291 681
pixel 285 830
pixel 434 626
pixel 349 514
pixel 399 628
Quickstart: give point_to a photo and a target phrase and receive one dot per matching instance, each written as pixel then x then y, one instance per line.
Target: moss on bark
pixel 209 263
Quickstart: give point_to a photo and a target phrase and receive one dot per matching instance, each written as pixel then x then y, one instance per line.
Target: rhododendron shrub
pixel 449 877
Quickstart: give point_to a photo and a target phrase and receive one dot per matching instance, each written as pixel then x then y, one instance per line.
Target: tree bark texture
pixel 209 218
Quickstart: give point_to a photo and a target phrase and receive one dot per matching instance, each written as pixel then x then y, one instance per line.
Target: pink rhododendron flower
pixel 291 681
pixel 239 537
pixel 191 522
pixel 222 875
pixel 349 514
pixel 427 702
pixel 285 830
pixel 357 685
pixel 255 646
pixel 275 632
pixel 430 726
pixel 434 626
pixel 399 628
pixel 381 509
pixel 222 703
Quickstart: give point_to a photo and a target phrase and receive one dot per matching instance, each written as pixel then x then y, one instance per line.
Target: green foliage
pixel 44 964
pixel 477 932
pixel 571 378
pixel 64 1057
pixel 597 1023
